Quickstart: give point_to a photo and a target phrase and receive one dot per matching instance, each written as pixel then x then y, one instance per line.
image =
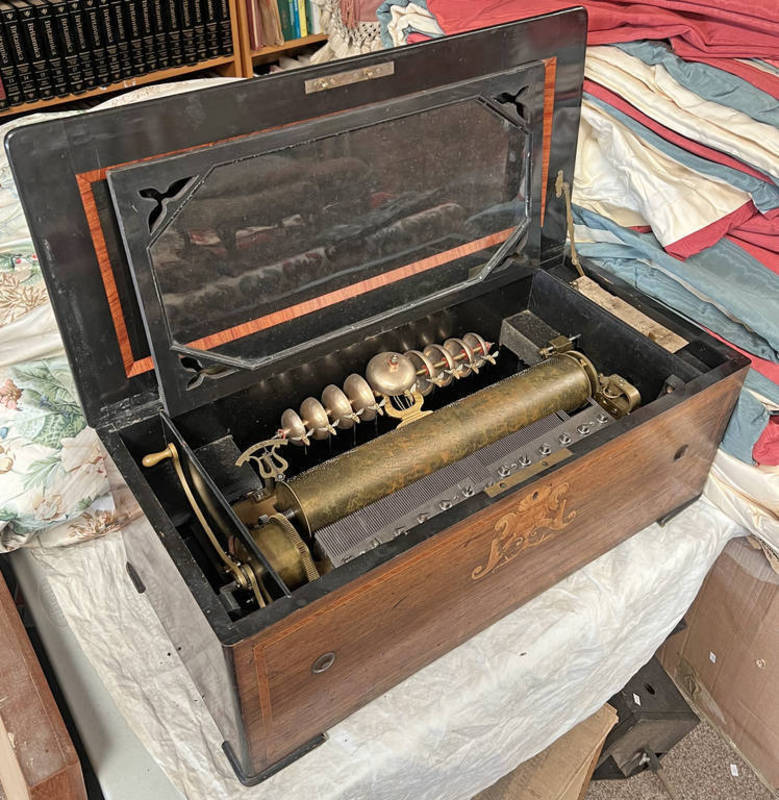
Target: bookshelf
pixel 264 55
pixel 271 53
pixel 123 86
pixel 240 64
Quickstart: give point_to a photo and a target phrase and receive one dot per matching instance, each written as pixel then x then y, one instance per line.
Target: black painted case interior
pixel 253 413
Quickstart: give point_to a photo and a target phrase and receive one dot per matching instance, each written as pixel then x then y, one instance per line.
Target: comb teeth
pixel 501 449
pixel 410 506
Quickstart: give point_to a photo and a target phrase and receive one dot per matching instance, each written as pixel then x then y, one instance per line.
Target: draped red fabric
pixel 726 29
pixel 766 449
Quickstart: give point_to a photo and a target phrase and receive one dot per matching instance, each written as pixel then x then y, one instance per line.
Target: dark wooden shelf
pixel 271 52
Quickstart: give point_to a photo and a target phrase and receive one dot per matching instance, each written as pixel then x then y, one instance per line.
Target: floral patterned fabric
pixel 20 287
pixel 51 464
pixel 57 485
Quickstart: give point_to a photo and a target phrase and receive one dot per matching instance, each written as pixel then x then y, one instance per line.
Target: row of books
pixel 273 22
pixel 54 48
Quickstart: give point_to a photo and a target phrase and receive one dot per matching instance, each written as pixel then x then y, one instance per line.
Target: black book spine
pixel 77 26
pixel 51 47
pixel 146 27
pixel 108 31
pixel 16 43
pixel 133 28
pixel 34 45
pixel 95 38
pixel 74 73
pixel 122 43
pixel 225 27
pixel 211 24
pixel 199 29
pixel 11 85
pixel 160 34
pixel 173 32
pixel 187 31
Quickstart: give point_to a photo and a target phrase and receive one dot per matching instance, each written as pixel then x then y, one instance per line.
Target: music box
pixel 325 326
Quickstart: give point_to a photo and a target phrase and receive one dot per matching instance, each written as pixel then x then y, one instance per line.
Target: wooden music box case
pixel 325 326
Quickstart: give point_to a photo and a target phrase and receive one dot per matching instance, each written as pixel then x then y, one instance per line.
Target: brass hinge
pixel 563 187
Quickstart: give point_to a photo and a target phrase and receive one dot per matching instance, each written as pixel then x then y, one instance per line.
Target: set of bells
pixel 394 384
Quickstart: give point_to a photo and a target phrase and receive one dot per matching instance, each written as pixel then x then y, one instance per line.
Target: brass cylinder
pixel 355 479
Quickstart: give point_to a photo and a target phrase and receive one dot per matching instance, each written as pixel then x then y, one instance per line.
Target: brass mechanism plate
pixel 350 76
pixel 525 474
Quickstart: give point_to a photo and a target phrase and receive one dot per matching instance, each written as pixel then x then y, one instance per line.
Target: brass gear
pixel 293 537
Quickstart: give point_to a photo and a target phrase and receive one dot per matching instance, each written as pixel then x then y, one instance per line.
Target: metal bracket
pixel 616 395
pixel 560 344
pixel 527 473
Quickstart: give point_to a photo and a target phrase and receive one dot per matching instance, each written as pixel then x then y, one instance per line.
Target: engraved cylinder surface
pixel 355 479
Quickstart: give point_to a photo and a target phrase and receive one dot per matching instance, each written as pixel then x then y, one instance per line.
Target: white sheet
pixel 622 177
pixel 747 494
pixel 652 90
pixel 448 731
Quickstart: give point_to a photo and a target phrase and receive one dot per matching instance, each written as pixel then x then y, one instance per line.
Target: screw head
pixel 602 419
pixel 564 438
pixel 445 504
pixel 583 429
pixel 545 449
pixel 525 461
pixel 504 471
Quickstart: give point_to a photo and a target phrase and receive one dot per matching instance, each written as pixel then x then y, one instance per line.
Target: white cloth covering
pixel 448 731
pixel 622 177
pixel 747 494
pixel 652 90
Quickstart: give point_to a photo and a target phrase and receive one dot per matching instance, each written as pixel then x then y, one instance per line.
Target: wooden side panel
pixel 37 758
pixel 388 624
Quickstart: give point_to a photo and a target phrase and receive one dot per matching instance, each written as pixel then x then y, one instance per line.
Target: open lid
pixel 378 186
pixel 249 254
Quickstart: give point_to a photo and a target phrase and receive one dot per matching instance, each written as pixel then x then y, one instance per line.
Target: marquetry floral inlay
pixel 538 517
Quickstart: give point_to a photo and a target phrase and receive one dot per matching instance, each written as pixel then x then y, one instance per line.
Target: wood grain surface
pixel 396 619
pixel 37 758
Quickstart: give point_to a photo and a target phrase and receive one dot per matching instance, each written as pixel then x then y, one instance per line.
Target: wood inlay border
pixel 136 366
pixel 550 77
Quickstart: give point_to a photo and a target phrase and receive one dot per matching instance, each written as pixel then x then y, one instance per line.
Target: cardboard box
pixel 563 770
pixel 727 660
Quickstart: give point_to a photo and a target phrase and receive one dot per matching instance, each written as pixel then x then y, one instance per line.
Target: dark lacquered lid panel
pixel 255 256
pixel 61 168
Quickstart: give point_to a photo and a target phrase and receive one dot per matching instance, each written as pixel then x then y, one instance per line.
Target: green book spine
pixel 287 26
pixel 295 19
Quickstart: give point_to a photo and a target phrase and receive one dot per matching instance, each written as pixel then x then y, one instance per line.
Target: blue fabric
pixel 764 195
pixel 762 385
pixel 734 281
pixel 746 425
pixel 709 82
pixel 630 262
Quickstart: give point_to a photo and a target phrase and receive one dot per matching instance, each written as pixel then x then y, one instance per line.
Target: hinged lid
pixel 371 187
pixel 249 254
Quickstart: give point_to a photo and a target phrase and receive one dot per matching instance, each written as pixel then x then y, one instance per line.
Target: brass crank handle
pixel 236 570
